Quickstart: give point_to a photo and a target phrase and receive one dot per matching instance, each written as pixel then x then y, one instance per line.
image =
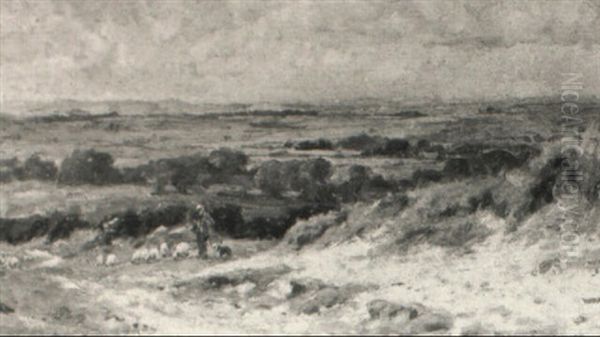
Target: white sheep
pixel 111 260
pixel 182 250
pixel 153 254
pixel 140 255
pixel 164 249
pixel 11 262
pixel 100 260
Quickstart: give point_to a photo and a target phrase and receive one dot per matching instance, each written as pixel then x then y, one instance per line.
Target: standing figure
pixel 203 228
pixel 109 230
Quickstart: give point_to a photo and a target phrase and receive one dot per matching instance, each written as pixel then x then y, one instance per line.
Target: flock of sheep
pixel 146 255
pixel 9 262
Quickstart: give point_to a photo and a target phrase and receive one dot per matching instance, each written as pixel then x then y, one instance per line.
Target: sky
pixel 295 51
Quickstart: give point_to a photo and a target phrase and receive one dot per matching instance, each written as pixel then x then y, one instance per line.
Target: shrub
pixel 36 168
pixel 227 161
pixel 10 169
pixel 359 173
pixel 424 145
pixel 497 160
pixel 20 230
pixel 275 177
pixel 270 179
pixel 318 169
pixel 457 168
pixel 130 224
pixel 421 177
pixel 88 167
pixel 181 172
pixel 360 142
pixel 318 144
pixel 358 176
pixel 396 147
pixel 62 225
pixel 168 216
pixel 134 175
pixel 541 191
pixel 228 220
pixel 322 194
pixel 265 228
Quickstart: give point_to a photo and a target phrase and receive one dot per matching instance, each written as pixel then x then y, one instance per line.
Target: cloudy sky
pixel 289 51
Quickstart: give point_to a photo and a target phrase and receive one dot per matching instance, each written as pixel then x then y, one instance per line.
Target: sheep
pixel 153 254
pixel 100 260
pixel 164 249
pixel 111 260
pixel 182 250
pixel 11 262
pixel 140 255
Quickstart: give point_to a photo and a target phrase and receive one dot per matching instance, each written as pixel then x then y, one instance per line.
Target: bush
pixel 227 161
pixel 21 230
pixel 228 220
pixel 10 169
pixel 424 145
pixel 265 228
pixel 318 144
pixel 358 176
pixel 396 147
pixel 88 167
pixel 378 185
pixel 363 184
pixel 322 194
pixel 542 190
pixel 318 169
pixel 130 225
pixel 36 168
pixel 498 160
pixel 360 142
pixel 134 175
pixel 359 173
pixel 457 168
pixel 275 177
pixel 270 179
pixel 62 225
pixel 421 177
pixel 168 216
pixel 181 172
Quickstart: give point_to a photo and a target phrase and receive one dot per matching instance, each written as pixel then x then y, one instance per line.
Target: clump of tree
pixel 34 167
pixel 317 144
pixel 270 177
pixel 228 161
pixel 89 167
pixel 363 183
pixel 360 142
pixel 223 165
pixel 275 177
pixel 37 168
pixel 8 169
pixel 393 147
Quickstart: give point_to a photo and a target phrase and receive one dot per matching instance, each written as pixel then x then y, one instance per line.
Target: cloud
pixel 248 51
